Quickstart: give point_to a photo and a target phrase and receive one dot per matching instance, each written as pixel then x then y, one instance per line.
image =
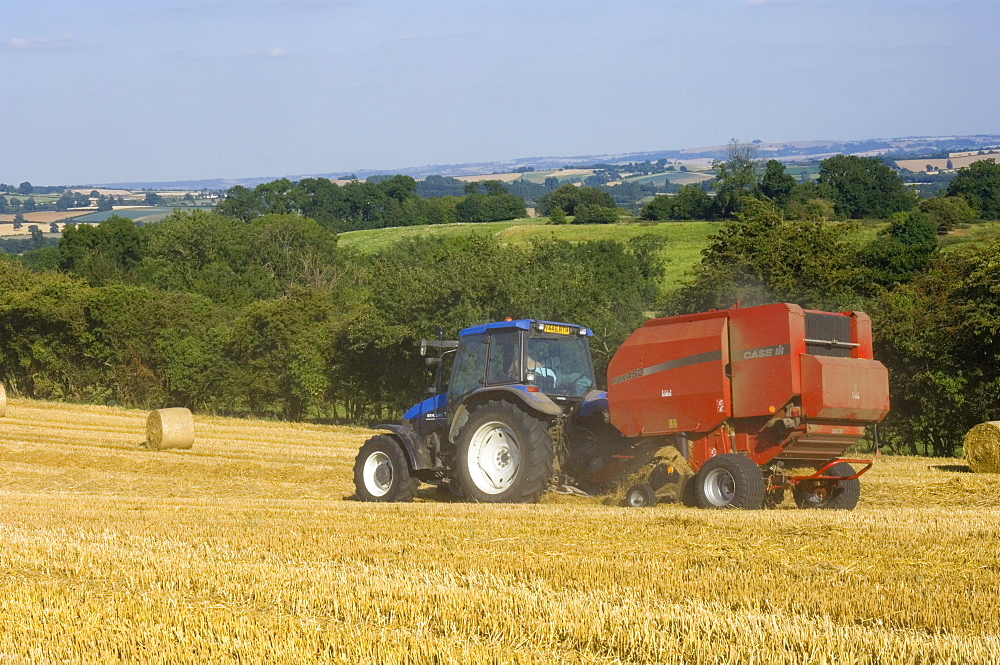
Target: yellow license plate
pixel 559 330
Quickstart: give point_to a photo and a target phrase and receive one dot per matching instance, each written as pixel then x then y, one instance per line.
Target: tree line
pixel 271 317
pixel 257 310
pixel 848 187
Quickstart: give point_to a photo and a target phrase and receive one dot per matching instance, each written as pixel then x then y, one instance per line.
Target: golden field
pixel 244 549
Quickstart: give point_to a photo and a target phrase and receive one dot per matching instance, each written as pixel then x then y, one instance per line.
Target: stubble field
pixel 245 549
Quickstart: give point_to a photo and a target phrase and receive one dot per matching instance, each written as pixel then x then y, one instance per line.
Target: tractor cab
pixel 535 358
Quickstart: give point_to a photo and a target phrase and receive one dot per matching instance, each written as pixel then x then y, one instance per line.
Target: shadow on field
pixel 955 468
pixel 438 494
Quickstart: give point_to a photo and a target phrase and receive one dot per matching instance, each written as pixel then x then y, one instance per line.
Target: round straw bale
pixel 170 428
pixel 981 447
pixel 3 401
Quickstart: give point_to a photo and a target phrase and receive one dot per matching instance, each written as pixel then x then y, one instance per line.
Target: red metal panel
pixel 861 334
pixel 851 389
pixel 669 376
pixel 766 342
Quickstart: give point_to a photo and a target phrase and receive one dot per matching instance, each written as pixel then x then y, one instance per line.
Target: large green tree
pixel 690 202
pixel 864 187
pixel 938 336
pixel 979 183
pixel 736 178
pixel 775 183
pixel 568 197
pixel 759 257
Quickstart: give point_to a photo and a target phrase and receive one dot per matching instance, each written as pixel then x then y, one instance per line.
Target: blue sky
pixel 104 91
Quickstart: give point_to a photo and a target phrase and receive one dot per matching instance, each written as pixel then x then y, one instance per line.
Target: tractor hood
pixel 429 405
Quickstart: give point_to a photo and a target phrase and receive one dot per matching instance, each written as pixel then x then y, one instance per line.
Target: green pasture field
pixel 144 215
pixel 812 172
pixel 675 177
pixel 685 240
pixel 39 198
pixel 538 177
pixel 973 233
pixel 682 251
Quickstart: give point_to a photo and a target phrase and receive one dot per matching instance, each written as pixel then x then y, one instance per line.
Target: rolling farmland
pixel 244 548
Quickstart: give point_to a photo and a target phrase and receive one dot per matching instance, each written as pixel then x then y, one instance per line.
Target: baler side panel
pixel 766 343
pixel 669 376
pixel 844 389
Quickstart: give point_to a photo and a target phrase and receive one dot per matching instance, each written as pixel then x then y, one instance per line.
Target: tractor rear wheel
pixel 504 455
pixel 820 494
pixel 381 472
pixel 730 481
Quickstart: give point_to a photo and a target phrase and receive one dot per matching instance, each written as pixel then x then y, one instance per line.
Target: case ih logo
pixel 766 352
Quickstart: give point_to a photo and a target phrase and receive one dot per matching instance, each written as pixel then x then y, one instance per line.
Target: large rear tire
pixel 730 481
pixel 382 473
pixel 817 494
pixel 504 455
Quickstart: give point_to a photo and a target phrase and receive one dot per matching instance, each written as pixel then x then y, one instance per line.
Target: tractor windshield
pixel 558 364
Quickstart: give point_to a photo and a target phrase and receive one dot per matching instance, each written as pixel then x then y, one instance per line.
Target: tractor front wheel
pixel 730 481
pixel 504 455
pixel 824 494
pixel 381 472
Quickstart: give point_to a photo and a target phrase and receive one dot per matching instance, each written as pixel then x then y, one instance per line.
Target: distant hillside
pixel 782 150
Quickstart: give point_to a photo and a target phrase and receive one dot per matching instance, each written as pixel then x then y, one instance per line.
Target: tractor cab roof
pixel 529 324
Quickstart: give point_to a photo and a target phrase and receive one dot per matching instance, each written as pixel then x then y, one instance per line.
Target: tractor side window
pixel 505 356
pixel 469 371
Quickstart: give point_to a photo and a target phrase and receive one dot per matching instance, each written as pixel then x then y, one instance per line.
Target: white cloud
pixel 38 43
pixel 276 52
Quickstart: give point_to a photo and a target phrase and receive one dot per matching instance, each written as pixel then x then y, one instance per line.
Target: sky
pixel 118 90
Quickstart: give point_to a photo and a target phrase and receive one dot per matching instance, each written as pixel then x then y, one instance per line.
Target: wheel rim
pixel 494 458
pixel 378 474
pixel 720 487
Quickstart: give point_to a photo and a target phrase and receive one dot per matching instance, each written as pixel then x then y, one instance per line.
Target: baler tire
pixel 382 472
pixel 499 434
pixel 730 480
pixel 844 496
pixel 640 496
pixel 689 491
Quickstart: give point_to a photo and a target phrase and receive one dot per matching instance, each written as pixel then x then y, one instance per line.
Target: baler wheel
pixel 504 455
pixel 640 496
pixel 844 496
pixel 730 481
pixel 381 472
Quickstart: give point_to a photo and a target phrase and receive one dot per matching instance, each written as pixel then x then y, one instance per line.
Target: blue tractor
pixel 497 433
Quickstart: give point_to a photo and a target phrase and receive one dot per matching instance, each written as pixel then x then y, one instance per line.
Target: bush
pixel 947 212
pixel 594 214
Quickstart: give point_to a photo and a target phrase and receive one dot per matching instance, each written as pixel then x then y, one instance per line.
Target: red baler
pixel 775 385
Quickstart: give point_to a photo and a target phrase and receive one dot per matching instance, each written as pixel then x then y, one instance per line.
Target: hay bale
pixel 3 401
pixel 981 447
pixel 170 428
